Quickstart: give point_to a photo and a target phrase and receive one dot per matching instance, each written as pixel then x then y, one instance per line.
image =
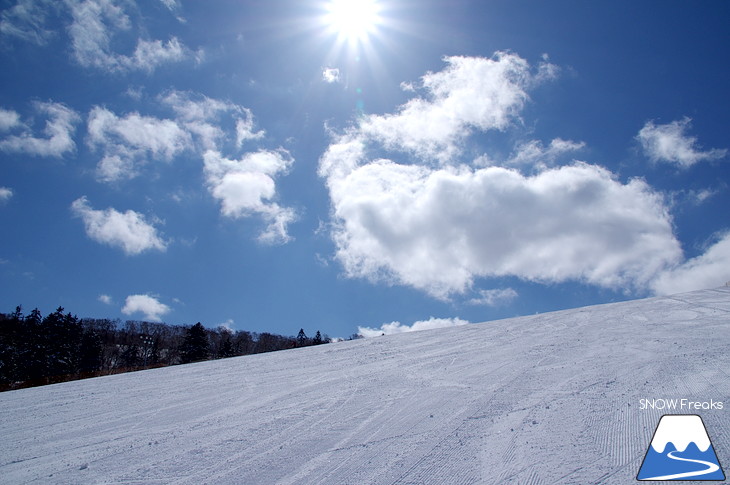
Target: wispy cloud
pixel 397 327
pixel 5 194
pixel 128 230
pixel 438 227
pixel 533 154
pixel 27 20
pixel 105 299
pixel 60 127
pixel 494 297
pixel 670 143
pixel 149 306
pixel 96 22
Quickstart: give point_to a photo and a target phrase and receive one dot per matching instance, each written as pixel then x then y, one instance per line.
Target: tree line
pixel 37 350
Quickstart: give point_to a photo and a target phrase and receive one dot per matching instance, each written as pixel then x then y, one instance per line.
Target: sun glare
pixel 353 19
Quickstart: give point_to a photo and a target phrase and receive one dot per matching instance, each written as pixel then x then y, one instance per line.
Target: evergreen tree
pixel 63 343
pixel 10 327
pixel 32 349
pixel 195 346
pixel 302 339
pixel 91 351
pixel 317 339
pixel 226 347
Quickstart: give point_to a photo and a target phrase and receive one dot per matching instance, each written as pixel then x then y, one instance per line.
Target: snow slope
pixel 545 399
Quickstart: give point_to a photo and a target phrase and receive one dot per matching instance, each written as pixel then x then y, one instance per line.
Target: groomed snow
pixel 545 399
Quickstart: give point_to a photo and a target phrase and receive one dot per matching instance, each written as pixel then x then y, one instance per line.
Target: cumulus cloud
pixel 438 228
pixel 246 187
pixel 709 270
pixel 95 23
pixel 471 93
pixel 128 230
pixel 105 299
pixel 127 141
pixel 494 297
pixel 59 130
pixel 150 307
pixel 5 194
pixel 669 143
pixel 207 127
pixel 397 327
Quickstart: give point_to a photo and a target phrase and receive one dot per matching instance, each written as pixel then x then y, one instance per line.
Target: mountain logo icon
pixel 681 450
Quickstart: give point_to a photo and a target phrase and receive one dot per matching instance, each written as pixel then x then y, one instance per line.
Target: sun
pixel 353 20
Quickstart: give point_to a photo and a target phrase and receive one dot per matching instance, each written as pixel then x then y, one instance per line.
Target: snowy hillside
pixel 545 399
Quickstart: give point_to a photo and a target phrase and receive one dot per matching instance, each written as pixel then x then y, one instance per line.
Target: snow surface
pixel 544 399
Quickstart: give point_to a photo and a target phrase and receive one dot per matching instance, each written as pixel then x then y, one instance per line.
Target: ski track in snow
pixel 544 399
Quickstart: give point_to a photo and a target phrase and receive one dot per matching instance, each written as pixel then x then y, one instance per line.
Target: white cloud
pixel 439 228
pixel 244 129
pixel 26 20
pixel 494 297
pixel 126 230
pixel 202 116
pixel 227 326
pixel 471 93
pixel 58 132
pixel 151 53
pixel 532 153
pixel 194 107
pixel 5 194
pixel 701 196
pixel 331 75
pixel 95 23
pixel 127 141
pixel 397 327
pixel 246 187
pixel 149 306
pixel 669 143
pixel 105 299
pixel 9 119
pixel 171 4
pixel 709 270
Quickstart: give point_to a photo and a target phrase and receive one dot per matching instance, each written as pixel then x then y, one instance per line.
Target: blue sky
pixel 383 165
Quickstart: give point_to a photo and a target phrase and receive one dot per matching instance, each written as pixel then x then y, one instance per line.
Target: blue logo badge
pixel 680 450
